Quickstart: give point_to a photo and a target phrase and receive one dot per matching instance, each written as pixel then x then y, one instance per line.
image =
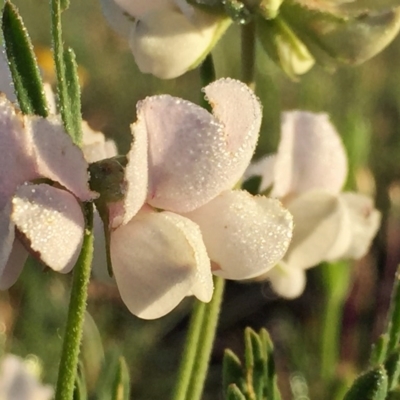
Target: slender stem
pixel 248 54
pixel 189 353
pixel 205 344
pixel 76 313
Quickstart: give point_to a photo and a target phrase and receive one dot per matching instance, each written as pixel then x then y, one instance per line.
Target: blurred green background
pixel 364 103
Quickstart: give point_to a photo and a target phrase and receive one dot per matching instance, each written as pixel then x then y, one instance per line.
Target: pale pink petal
pixel 14 265
pixel 158 259
pixel 117 17
pixel 57 157
pixel 244 235
pixel 166 43
pixel 16 161
pixel 364 222
pixel 95 146
pixel 322 229
pixel 51 223
pixel 310 155
pixel 264 167
pixel 192 155
pixel 137 8
pixel 286 281
pixel 6 236
pixel 18 382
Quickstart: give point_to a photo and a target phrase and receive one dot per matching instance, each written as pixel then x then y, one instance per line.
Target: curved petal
pixel 137 8
pixel 158 259
pixel 245 235
pixel 364 222
pixel 310 155
pixel 6 237
pixel 166 43
pixel 286 281
pixel 57 157
pixel 15 264
pixel 192 155
pixel 117 17
pixel 16 162
pixel 322 229
pixel 95 146
pixel 264 167
pixel 51 223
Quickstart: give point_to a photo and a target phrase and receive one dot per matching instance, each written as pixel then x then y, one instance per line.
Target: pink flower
pixel 307 174
pixel 43 176
pixel 179 213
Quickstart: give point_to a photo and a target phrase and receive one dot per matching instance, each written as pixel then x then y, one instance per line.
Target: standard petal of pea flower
pixel 44 218
pixel 167 37
pixel 307 174
pixel 179 220
pixel 19 382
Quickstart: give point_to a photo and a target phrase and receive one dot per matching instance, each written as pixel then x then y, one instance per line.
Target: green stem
pixel 248 54
pixel 198 347
pixel 205 344
pixel 336 280
pixel 189 353
pixel 76 314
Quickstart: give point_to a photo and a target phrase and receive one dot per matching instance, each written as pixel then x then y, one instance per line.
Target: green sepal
pixel 392 366
pixel 284 47
pixel 121 385
pixel 24 69
pixel 74 95
pixel 108 374
pixel 349 39
pixel 232 372
pixel 80 391
pixel 372 385
pixel 234 393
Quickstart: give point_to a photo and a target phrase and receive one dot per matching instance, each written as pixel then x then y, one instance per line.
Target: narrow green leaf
pixel 121 384
pixel 394 316
pixel 379 350
pixel 372 385
pixel 248 352
pixel 80 391
pixel 74 94
pixel 392 366
pixel 23 65
pixel 234 393
pixel 259 369
pixel 232 372
pixel 271 390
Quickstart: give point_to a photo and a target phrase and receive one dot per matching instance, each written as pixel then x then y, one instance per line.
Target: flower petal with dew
pixel 191 160
pixel 193 155
pixel 34 148
pixel 158 258
pixel 244 235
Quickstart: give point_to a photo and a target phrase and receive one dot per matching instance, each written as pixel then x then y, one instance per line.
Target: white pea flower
pixel 44 218
pixel 307 173
pixel 18 382
pixel 179 215
pixel 167 37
